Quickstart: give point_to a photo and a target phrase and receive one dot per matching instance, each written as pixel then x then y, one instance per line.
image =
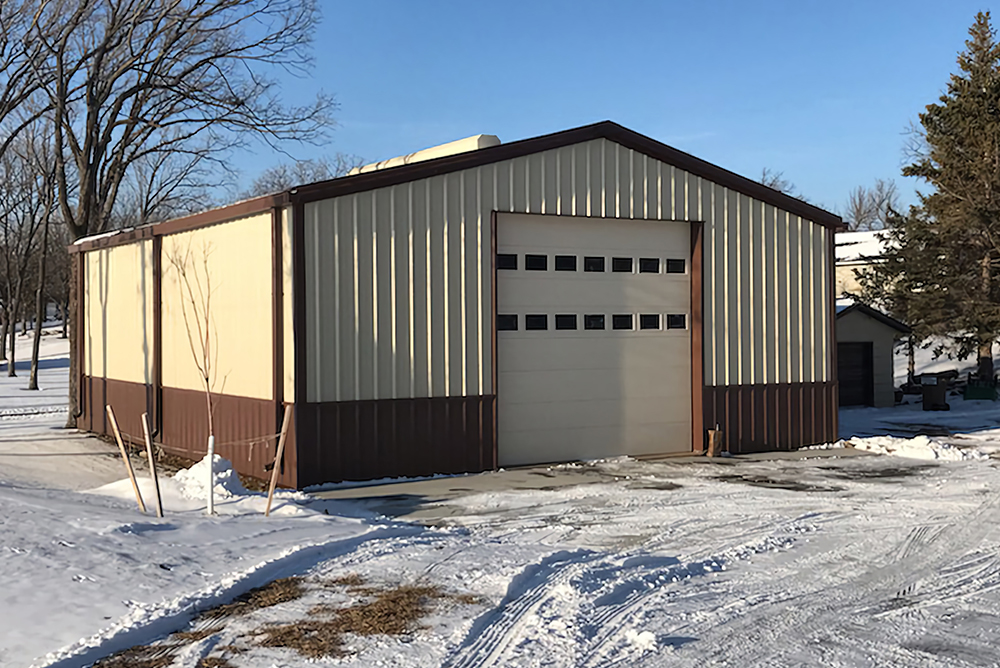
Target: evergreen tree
pixel 949 253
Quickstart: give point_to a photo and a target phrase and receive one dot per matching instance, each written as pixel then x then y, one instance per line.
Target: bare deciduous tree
pixel 26 202
pixel 166 185
pixel 195 291
pixel 288 175
pixel 777 181
pixel 128 81
pixel 870 208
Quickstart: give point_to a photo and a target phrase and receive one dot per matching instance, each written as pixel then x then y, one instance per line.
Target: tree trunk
pixel 911 362
pixel 986 346
pixel 64 307
pixel 39 309
pixel 12 363
pixel 3 333
pixel 74 332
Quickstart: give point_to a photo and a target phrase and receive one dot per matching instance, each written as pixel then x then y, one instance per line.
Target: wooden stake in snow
pixel 152 464
pixel 277 459
pixel 128 464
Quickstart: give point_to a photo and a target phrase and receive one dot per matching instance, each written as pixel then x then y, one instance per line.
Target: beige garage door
pixel 593 338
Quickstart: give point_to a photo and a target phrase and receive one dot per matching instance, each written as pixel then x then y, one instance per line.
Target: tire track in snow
pixel 604 590
pixel 753 639
pixel 497 630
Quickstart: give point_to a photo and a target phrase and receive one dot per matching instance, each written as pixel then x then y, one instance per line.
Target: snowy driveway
pixel 837 562
pixel 860 561
pixel 879 561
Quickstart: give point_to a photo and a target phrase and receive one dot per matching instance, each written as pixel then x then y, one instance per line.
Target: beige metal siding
pixel 379 328
pixel 858 327
pixel 239 272
pixel 118 327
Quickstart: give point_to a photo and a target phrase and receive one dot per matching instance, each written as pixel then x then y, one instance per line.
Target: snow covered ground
pixel 830 560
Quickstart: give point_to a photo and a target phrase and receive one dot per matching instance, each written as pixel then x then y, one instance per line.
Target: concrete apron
pixel 422 501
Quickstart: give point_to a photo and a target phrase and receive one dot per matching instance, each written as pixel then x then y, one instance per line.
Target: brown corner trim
pixel 81 329
pixel 299 323
pixel 697 338
pixel 493 336
pixel 277 315
pixel 832 333
pixel 157 384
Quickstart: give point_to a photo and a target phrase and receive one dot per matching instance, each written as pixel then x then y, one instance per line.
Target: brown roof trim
pixel 604 130
pixel 223 214
pixel 877 315
pixel 347 185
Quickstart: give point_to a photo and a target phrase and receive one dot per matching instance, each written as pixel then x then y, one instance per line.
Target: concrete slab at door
pixel 585 393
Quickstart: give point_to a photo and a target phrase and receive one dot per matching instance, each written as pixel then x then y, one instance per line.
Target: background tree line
pixel 119 113
pixel 939 270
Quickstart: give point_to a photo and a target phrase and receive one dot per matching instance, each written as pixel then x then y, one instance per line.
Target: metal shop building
pixel 584 294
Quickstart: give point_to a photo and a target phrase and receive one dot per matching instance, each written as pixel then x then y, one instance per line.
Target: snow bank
pixel 187 491
pixel 191 482
pixel 918 447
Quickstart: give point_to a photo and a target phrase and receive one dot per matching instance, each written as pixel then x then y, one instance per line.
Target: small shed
pixel 865 341
pixel 588 293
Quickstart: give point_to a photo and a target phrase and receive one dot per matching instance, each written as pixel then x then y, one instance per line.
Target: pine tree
pixel 951 244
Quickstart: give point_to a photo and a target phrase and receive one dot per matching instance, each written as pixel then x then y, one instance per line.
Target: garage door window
pixel 621 264
pixel 536 262
pixel 565 263
pixel 623 321
pixel 507 323
pixel 649 265
pixel 506 261
pixel 593 264
pixel 676 321
pixel 649 321
pixel 675 266
pixel 566 322
pixel 536 322
pixel 593 321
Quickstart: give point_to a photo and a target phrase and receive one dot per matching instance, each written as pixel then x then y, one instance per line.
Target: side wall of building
pixel 399 291
pixel 118 332
pixel 858 327
pixel 215 316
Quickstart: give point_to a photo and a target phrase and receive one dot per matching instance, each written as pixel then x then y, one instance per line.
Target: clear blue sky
pixel 821 91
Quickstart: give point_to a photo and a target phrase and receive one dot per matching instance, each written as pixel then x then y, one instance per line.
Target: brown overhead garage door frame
pixel 695 320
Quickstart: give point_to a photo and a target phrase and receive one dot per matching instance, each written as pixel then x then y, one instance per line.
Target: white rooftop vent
pixel 466 145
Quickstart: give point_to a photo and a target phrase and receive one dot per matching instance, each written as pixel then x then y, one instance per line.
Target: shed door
pixel 593 340
pixel 855 373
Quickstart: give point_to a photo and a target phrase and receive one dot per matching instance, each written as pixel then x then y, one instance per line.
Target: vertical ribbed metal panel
pixel 399 283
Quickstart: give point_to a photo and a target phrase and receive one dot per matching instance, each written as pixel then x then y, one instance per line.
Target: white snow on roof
pixel 844 303
pixel 859 246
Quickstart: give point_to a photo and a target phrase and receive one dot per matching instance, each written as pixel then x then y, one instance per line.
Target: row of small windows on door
pixel 509 322
pixel 647 265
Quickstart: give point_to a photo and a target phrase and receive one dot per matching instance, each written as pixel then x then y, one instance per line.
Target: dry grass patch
pixel 392 612
pixel 140 656
pixel 213 662
pixel 273 593
pixel 351 581
pixel 195 636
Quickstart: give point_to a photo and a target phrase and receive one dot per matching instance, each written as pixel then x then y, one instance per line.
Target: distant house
pixel 865 341
pixel 856 252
